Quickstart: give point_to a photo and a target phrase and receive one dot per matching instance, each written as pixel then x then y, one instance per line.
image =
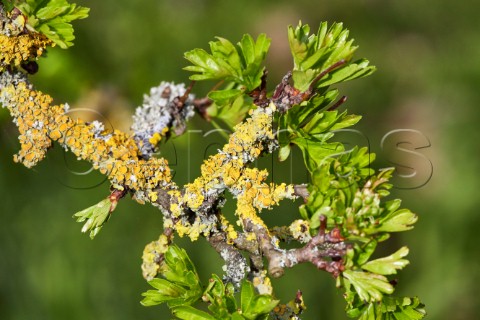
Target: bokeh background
pixel 427 54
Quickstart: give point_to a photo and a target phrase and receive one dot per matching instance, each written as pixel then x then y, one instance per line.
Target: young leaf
pixel 220 297
pixel 209 67
pixel 316 152
pixel 222 97
pixel 247 295
pixel 369 286
pixel 181 285
pixel 8 5
pixel 315 53
pixel 358 69
pixel 166 291
pixel 254 306
pixel 388 265
pixel 233 113
pixel 262 304
pixel 390 308
pixel 241 64
pixel 190 313
pixel 53 18
pixel 367 251
pixel 96 216
pixel 400 220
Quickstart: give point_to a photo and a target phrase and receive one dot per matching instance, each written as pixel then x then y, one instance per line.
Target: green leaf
pixel 372 312
pixel 237 316
pixel 310 130
pixel 252 305
pixel 96 216
pixel 390 308
pixel 233 113
pixel 369 286
pixel 329 121
pixel 403 308
pixel 220 297
pixel 262 304
pixel 210 67
pixel 222 97
pixel 316 152
pixel 242 64
pixel 181 284
pixel 284 152
pixel 53 18
pixel 367 252
pixel 353 71
pixel 166 291
pixel 8 5
pixel 397 221
pixel 190 313
pixel 227 55
pixel 247 294
pixel 247 46
pixel 315 53
pixel 179 268
pixel 297 117
pixel 388 265
pixel 253 54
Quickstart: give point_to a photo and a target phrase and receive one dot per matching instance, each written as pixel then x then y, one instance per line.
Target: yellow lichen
pixel 153 196
pixel 116 154
pixel 18 49
pixel 155 139
pixel 300 230
pixel 262 283
pixel 113 153
pixel 251 236
pixel 193 231
pixel 151 257
pixel 229 229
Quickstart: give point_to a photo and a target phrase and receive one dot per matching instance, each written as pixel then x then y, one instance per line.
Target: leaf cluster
pixel 239 67
pixel 348 192
pixel 391 308
pixel 180 284
pixel 310 127
pixel 344 188
pixel 180 288
pixel 230 109
pixel 242 64
pixel 95 216
pixel 53 18
pixel 314 53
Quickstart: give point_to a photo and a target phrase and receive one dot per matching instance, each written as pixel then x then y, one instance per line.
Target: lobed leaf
pixel 370 287
pixel 190 313
pixel 53 18
pixel 181 284
pixel 95 216
pixel 315 53
pixel 388 265
pixel 242 64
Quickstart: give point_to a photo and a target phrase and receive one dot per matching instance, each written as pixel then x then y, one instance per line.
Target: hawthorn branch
pixel 191 210
pixel 235 264
pixel 325 250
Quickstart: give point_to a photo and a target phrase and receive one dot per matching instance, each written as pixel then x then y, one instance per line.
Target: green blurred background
pixel 427 54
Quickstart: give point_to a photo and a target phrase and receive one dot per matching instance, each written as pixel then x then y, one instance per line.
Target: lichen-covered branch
pixel 343 217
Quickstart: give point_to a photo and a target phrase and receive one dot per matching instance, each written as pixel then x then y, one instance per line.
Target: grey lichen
pixel 161 110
